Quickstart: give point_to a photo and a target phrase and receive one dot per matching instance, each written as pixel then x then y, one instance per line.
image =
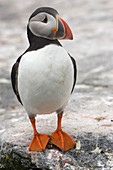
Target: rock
pixel 94 151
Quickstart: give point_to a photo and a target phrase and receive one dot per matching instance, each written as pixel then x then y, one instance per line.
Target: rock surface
pixel 88 116
pixel 93 152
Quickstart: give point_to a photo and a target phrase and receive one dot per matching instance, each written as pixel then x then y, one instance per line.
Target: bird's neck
pixel 37 42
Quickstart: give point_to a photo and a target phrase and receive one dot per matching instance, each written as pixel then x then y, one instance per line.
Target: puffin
pixel 44 76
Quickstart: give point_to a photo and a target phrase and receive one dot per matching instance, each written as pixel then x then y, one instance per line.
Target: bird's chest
pixel 45 75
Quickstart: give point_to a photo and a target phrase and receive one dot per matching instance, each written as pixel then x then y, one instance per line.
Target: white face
pixel 42 25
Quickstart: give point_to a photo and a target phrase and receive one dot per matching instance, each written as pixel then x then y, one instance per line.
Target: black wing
pixel 14 79
pixel 75 71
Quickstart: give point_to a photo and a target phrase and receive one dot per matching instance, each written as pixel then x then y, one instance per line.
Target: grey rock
pixel 95 152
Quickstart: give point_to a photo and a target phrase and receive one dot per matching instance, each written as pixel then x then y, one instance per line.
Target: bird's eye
pixel 45 19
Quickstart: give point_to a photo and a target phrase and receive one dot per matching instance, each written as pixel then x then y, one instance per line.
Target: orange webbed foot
pixel 39 142
pixel 61 139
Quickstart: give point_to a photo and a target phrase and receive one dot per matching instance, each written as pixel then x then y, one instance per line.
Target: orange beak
pixel 62 30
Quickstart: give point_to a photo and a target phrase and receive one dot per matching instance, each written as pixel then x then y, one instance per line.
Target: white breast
pixel 45 79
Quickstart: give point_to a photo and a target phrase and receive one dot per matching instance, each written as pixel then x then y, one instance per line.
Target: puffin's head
pixel 46 22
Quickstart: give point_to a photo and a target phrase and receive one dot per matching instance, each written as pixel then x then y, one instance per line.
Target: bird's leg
pixel 61 139
pixel 39 141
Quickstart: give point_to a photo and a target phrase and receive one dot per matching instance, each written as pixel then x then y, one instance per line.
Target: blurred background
pixel 92 24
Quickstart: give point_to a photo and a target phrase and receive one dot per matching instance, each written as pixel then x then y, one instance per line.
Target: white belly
pixel 45 79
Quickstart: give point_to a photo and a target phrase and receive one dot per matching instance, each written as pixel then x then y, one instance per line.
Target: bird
pixel 44 76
